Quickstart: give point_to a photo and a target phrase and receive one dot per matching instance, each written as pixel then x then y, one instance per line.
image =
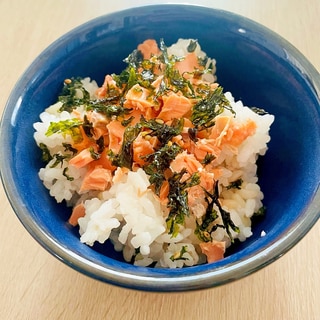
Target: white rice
pixel 131 216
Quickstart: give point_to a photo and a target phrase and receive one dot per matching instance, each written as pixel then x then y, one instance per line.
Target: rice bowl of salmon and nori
pixel 158 159
pixel 131 191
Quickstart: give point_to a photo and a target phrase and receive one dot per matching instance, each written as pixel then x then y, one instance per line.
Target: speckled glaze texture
pixel 255 64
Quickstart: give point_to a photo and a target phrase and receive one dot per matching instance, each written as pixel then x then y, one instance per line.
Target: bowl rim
pixel 148 281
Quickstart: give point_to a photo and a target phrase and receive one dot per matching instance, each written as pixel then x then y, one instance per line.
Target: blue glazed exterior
pixel 255 64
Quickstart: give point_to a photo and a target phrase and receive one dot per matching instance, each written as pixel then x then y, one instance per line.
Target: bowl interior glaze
pixel 256 65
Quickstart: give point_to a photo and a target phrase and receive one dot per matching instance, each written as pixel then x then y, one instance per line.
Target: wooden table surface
pixel 35 285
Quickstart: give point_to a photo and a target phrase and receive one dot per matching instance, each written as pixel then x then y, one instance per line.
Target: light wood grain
pixel 35 285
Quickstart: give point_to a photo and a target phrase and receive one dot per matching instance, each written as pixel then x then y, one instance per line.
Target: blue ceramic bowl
pixel 255 64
